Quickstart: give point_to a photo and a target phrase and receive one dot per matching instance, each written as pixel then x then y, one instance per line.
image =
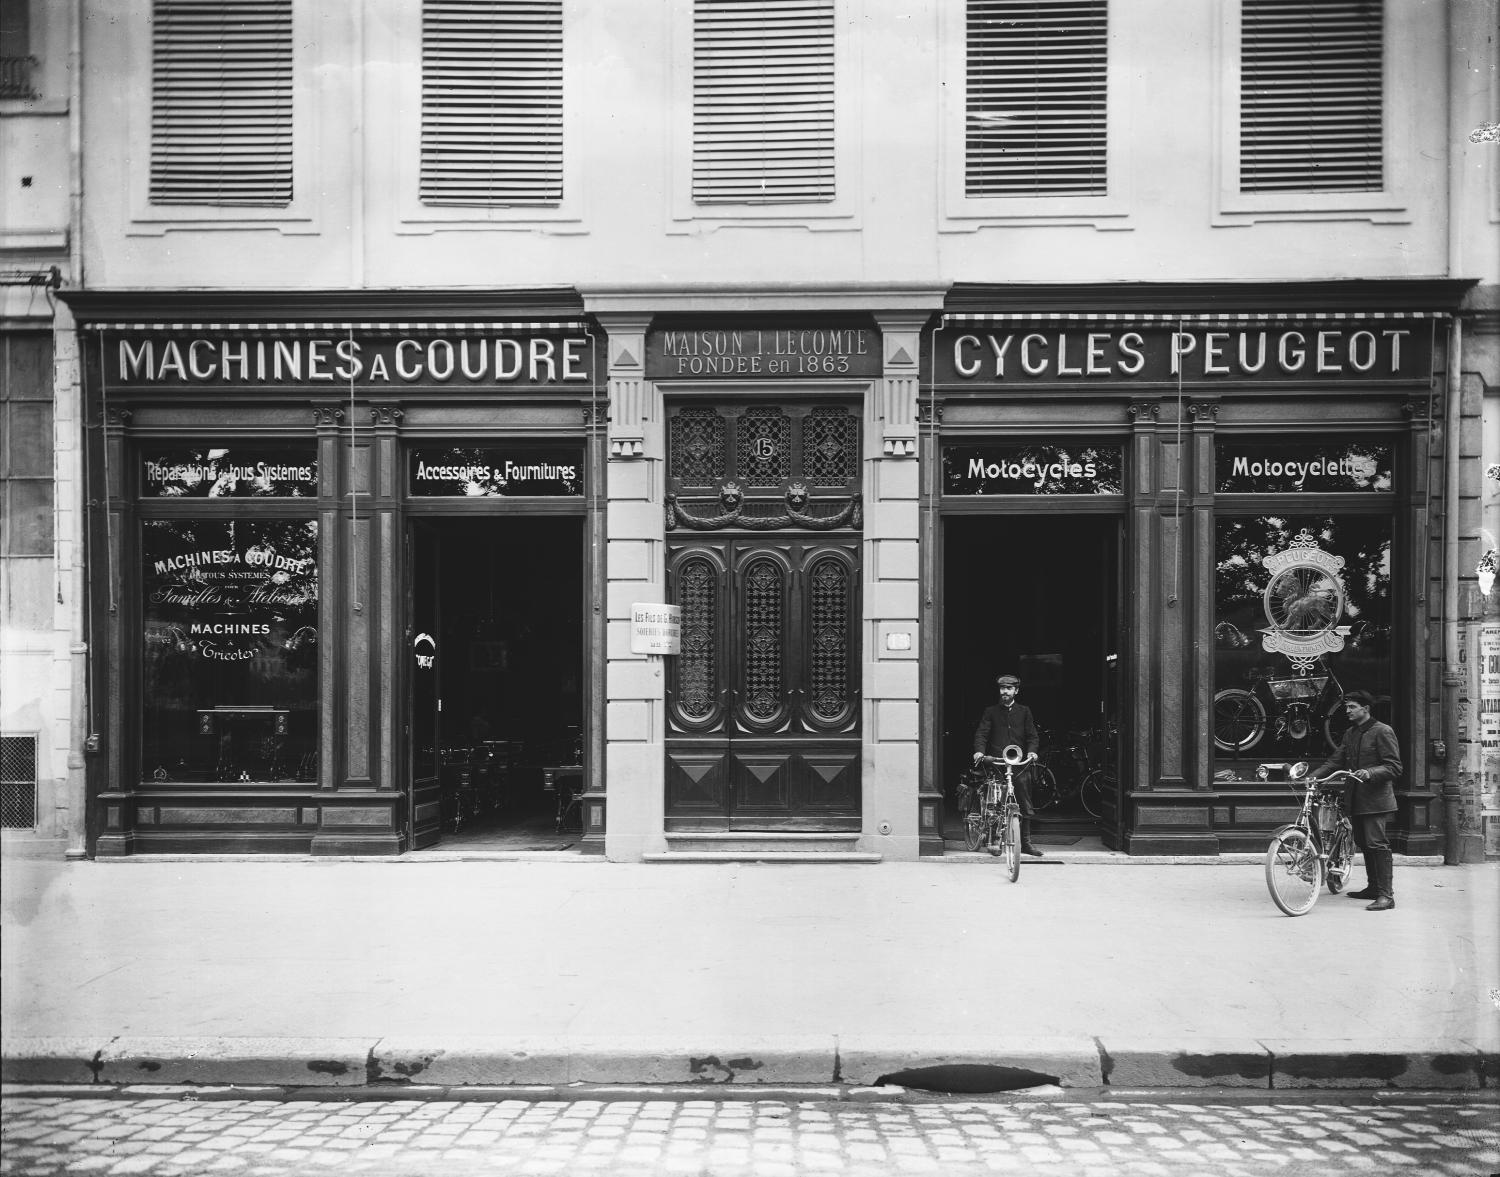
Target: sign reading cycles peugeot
pixel 373 361
pixel 1307 352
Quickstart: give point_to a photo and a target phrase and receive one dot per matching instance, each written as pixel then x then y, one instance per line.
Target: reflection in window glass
pixel 230 615
pixel 1302 615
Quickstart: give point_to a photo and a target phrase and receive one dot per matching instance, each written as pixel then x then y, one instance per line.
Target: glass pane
pixel 223 472
pixel 496 472
pixel 1258 466
pixel 230 658
pixel 1067 468
pixel 28 440
pixel 1302 615
pixel 28 517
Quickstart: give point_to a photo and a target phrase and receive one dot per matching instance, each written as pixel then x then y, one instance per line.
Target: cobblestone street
pixel 1167 1136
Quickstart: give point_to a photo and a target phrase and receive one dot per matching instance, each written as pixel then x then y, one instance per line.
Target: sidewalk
pixel 555 971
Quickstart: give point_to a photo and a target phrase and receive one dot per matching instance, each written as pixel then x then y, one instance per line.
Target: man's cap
pixel 1007 680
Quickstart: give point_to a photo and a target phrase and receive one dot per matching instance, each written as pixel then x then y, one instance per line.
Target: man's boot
pixel 1387 899
pixel 1026 846
pixel 1371 890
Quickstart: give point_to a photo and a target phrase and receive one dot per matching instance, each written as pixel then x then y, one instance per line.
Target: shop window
pixel 230 649
pixel 26 476
pixel 763 102
pixel 492 103
pixel 221 103
pixel 1302 614
pixel 1311 96
pixel 1036 98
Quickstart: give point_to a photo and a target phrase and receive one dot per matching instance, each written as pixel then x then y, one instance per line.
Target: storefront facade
pixel 1198 515
pixel 345 543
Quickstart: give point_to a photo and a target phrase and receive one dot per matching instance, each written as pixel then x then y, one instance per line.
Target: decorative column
pixel 116 798
pixel 892 825
pixel 1198 576
pixel 633 709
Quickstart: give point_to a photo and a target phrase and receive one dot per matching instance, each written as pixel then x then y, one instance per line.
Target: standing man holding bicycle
pixel 1002 725
pixel 1369 751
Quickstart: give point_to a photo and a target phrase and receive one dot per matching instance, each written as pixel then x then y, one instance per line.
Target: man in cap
pixel 1002 725
pixel 1369 751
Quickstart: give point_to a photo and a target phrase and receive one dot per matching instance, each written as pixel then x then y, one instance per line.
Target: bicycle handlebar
pixel 999 763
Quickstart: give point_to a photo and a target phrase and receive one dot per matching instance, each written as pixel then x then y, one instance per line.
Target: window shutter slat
pixel 492 103
pixel 1311 96
pixel 1036 98
pixel 763 101
pixel 221 102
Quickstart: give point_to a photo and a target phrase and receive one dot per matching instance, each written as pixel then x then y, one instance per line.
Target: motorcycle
pixel 1289 707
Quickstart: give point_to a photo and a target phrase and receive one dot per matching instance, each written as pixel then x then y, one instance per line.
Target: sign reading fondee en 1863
pixel 783 349
pixel 1081 468
pixel 496 471
pixel 1319 353
pixel 194 359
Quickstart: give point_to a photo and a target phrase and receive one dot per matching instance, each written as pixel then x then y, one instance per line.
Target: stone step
pixel 797 856
pixel 821 841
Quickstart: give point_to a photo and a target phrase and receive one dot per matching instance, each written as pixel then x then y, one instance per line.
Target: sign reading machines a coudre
pixel 495 472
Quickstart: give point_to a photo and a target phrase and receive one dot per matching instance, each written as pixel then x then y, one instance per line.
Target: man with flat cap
pixel 1002 725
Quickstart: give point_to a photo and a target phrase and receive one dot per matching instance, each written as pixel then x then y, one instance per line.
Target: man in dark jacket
pixel 1370 752
pixel 1002 725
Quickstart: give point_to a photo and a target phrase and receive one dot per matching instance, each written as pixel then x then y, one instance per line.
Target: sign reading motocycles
pixel 1047 355
pixel 199 359
pixel 1043 469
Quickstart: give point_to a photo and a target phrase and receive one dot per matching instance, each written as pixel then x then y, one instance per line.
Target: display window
pixel 1302 614
pixel 230 645
pixel 223 472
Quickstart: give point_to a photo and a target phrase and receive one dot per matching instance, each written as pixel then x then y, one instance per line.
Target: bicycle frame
pixel 1315 849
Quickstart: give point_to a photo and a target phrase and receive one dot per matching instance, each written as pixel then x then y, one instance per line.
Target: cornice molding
pixel 1397 294
pixel 107 306
pixel 760 300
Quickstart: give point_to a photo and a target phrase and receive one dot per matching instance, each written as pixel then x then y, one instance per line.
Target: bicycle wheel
pixel 973 829
pixel 1239 720
pixel 1340 861
pixel 1294 872
pixel 1091 793
pixel 1045 791
pixel 1013 847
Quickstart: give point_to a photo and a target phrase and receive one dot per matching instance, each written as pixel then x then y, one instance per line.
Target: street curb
pixel 932 1064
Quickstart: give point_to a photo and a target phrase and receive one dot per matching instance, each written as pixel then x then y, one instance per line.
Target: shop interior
pixel 500 707
pixel 1035 596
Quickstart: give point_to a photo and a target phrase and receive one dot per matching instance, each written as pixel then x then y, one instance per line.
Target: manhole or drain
pixel 967 1079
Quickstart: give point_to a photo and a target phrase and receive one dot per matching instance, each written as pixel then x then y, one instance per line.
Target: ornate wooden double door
pixel 763 703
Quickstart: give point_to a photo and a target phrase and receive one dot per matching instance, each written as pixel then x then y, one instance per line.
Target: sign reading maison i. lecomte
pixel 374 361
pixel 783 348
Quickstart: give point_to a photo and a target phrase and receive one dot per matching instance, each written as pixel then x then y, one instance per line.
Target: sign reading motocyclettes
pixel 783 348
pixel 1318 352
pixel 371 360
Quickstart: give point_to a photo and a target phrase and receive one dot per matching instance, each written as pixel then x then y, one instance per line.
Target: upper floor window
pixel 763 101
pixel 16 61
pixel 1035 105
pixel 221 102
pixel 1311 94
pixel 492 102
pixel 26 474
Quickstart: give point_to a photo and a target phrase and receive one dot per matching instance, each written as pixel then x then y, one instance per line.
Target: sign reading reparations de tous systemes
pixel 758 351
pixel 372 361
pixel 1038 355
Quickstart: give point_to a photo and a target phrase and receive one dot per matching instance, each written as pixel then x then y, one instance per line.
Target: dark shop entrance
pixel 1037 596
pixel 496 682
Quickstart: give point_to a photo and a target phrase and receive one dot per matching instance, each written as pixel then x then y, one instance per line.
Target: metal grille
pixel 830 638
pixel 830 443
pixel 764 447
pixel 696 672
pixel 18 782
pixel 696 447
pixel 764 625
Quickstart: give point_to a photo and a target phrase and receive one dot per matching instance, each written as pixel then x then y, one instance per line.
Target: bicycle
pixel 1315 849
pixel 1067 772
pixel 996 824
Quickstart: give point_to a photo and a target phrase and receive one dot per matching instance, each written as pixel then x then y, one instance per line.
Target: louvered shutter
pixel 221 102
pixel 1311 96
pixel 763 101
pixel 492 102
pixel 1036 98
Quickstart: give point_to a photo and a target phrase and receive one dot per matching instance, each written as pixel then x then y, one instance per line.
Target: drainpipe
pixel 1452 423
pixel 78 670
